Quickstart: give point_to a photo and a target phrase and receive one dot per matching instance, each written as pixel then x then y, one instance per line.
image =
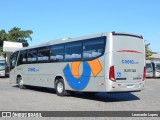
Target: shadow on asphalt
pixel 109 97
pixel 103 97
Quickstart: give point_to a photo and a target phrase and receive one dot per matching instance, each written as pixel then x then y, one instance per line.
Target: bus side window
pixel 22 57
pixel 73 51
pixel 13 60
pixel 32 56
pixel 93 48
pixel 57 53
pixel 43 54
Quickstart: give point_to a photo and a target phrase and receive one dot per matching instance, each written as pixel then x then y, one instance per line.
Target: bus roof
pixel 64 40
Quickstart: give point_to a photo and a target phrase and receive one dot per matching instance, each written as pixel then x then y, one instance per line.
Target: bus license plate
pixel 131 86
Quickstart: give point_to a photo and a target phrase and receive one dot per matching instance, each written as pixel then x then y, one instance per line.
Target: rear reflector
pixel 144 74
pixel 111 74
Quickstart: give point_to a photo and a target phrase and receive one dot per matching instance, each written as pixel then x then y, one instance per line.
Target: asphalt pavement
pixel 45 99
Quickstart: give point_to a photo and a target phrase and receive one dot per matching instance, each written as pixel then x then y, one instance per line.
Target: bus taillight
pixel 111 74
pixel 144 74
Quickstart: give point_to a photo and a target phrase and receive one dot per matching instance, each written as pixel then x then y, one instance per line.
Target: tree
pixel 18 35
pixel 15 35
pixel 148 51
pixel 3 36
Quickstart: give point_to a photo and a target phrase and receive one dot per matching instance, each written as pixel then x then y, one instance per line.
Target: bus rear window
pixel 93 48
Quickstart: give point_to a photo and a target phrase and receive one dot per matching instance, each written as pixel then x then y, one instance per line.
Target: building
pixel 155 56
pixel 9 48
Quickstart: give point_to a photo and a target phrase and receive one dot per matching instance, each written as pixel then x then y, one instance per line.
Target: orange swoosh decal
pixel 95 67
pixel 75 69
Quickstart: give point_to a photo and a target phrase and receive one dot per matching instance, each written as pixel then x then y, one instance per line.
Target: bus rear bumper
pixel 2 73
pixel 125 87
pixel 149 75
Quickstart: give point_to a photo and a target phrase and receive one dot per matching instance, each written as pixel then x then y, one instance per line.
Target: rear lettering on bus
pixel 129 62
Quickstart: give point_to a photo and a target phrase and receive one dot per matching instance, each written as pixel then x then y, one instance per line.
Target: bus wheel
pixel 20 83
pixel 60 88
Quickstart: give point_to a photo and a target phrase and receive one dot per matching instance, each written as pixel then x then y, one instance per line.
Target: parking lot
pixel 40 99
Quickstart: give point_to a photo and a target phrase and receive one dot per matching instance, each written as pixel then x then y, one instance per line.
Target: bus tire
pixel 20 82
pixel 60 88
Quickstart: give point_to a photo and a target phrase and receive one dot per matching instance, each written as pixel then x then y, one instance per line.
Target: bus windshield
pixel 2 65
pixel 158 67
pixel 148 67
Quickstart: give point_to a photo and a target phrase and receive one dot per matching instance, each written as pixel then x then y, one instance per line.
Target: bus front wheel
pixel 20 82
pixel 60 88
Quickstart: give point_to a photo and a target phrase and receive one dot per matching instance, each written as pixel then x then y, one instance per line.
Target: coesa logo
pixel 129 62
pixel 79 82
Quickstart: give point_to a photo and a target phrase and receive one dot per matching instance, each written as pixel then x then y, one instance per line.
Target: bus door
pixel 13 64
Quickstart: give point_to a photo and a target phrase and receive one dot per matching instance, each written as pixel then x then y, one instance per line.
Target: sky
pixel 56 19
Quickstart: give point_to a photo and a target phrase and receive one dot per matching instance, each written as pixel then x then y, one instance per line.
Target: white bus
pixel 2 67
pixel 149 69
pixel 106 62
pixel 156 69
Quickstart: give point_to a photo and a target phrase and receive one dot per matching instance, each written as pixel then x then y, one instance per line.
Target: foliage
pixel 148 51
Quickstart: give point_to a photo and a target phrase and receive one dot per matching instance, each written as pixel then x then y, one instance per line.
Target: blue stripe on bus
pixel 78 83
